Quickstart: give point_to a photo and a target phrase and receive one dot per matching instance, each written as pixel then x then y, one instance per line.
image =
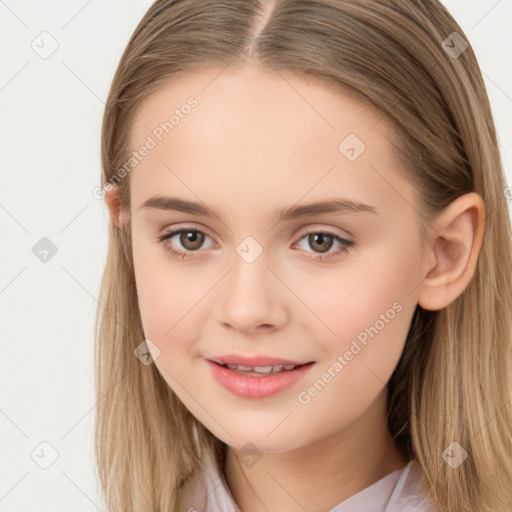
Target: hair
pixel 453 380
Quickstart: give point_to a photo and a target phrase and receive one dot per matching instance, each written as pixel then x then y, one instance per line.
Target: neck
pixel 320 475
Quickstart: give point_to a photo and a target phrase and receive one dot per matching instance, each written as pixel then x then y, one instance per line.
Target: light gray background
pixel 50 119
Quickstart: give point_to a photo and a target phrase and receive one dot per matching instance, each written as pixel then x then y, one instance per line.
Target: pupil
pixel 322 237
pixel 192 237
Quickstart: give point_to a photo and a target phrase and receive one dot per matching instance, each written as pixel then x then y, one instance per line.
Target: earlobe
pixel 114 206
pixel 458 239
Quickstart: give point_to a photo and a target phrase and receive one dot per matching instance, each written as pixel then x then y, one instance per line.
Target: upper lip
pixel 253 361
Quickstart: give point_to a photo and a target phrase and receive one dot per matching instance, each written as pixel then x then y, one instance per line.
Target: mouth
pixel 258 381
pixel 261 371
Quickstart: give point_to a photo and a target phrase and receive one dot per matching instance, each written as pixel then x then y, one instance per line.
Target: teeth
pixel 239 367
pixel 266 369
pixel 262 369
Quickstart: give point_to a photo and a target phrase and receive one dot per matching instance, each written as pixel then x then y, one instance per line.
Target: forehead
pixel 255 100
pixel 251 131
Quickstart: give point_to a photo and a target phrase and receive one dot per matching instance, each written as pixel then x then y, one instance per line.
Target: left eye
pixel 193 239
pixel 322 238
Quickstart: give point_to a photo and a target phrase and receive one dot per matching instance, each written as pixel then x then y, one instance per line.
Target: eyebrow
pixel 338 205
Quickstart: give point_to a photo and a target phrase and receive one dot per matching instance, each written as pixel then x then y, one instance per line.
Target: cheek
pixel 371 291
pixel 167 294
pixel 360 360
pixel 365 316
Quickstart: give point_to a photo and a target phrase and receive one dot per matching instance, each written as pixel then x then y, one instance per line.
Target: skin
pixel 258 142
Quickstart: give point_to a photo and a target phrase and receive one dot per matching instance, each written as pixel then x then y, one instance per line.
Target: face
pixel 335 288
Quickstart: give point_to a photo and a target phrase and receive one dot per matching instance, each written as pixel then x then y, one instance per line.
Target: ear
pixel 459 232
pixel 117 213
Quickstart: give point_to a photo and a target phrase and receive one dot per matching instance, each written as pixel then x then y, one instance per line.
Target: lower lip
pixel 257 387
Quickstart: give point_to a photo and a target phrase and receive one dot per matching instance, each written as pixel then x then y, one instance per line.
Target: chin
pixel 259 440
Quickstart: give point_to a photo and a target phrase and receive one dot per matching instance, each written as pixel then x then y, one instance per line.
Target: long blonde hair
pixel 453 381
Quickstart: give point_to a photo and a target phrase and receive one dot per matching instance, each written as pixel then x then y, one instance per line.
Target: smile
pixel 258 381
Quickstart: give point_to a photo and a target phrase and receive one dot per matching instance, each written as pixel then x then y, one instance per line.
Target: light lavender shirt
pixel 399 491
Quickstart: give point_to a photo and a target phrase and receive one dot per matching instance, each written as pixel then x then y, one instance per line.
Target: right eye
pixel 190 238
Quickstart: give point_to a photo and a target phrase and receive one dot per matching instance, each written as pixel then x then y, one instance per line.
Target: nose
pixel 252 297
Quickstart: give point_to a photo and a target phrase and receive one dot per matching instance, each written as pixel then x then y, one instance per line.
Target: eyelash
pixel 345 244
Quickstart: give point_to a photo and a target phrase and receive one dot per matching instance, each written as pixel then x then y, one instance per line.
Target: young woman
pixel 307 296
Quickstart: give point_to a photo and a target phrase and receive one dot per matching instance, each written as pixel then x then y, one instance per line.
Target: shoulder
pixel 408 494
pixel 207 491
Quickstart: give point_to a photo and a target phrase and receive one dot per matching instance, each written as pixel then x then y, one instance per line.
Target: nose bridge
pixel 250 297
pixel 250 273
